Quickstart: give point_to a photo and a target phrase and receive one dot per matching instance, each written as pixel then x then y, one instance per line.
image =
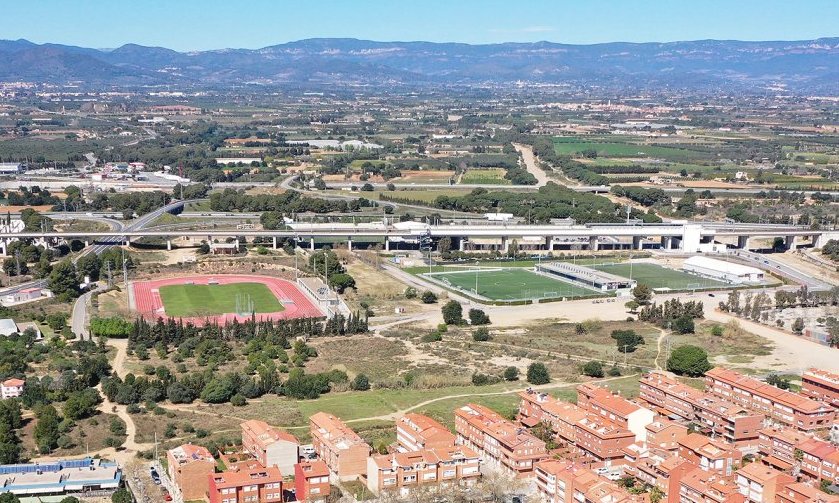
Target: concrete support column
pixel 349 244
pixel 593 243
pixel 127 241
pixel 504 244
pixel 462 244
pixel 789 242
pixel 86 243
pixel 3 247
pixel 637 244
pixel 312 244
pixel 666 242
pixel 387 244
pixel 237 246
pixel 169 244
pixel 743 242
pixel 274 241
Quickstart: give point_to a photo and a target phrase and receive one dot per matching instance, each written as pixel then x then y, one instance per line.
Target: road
pixel 79 319
pixel 532 164
pixel 765 261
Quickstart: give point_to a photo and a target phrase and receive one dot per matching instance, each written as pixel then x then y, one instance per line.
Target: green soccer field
pixel 509 284
pixel 656 276
pixel 207 300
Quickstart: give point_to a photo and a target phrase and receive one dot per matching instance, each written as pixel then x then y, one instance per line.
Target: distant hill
pixel 801 66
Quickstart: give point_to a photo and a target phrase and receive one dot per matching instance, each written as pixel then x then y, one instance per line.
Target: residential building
pixel 537 407
pixel 344 452
pixel 782 406
pixel 415 432
pixel 700 486
pixel 498 440
pixel 11 388
pixel 719 417
pixel 270 446
pixel 760 483
pixel 311 481
pixel 709 454
pixel 819 460
pixel 615 409
pixel 801 492
pixel 602 441
pixel 188 467
pixel 821 385
pixel 401 472
pixel 256 485
pixel 665 474
pixel 563 481
pixel 777 447
pixel 664 435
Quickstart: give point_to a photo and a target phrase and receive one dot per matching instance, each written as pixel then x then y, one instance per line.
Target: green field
pixel 205 300
pixel 656 276
pixel 485 176
pixel 568 146
pixel 510 284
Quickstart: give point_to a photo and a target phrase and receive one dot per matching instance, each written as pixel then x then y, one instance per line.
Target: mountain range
pixel 810 66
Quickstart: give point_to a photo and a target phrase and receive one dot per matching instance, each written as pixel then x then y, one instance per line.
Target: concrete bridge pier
pixel 387 243
pixel 127 241
pixel 789 242
pixel 274 242
pixel 312 244
pixel 349 243
pixel 637 243
pixel 593 243
pixel 86 243
pixel 743 242
pixel 666 242
pixel 237 246
pixel 461 245
pixel 169 245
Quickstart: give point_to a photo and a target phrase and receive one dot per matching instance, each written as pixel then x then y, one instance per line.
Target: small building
pixel 188 467
pixel 25 295
pixel 66 476
pixel 8 327
pixel 401 472
pixel 760 483
pixel 234 161
pixel 415 432
pixel 311 481
pixel 344 452
pixel 11 168
pixel 224 248
pixel 586 276
pixel 821 385
pixel 270 446
pixel 723 271
pixel 255 485
pixel 11 388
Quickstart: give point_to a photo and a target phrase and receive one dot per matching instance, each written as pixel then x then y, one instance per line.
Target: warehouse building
pixel 586 276
pixel 723 271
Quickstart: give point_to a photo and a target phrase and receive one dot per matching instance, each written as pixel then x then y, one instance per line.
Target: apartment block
pixel 498 440
pixel 665 474
pixel 311 481
pixel 804 493
pixel 188 467
pixel 415 432
pixel 615 409
pixel 343 451
pixel 664 435
pixel 536 407
pixel 759 483
pixel 700 486
pixel 257 485
pixel 777 447
pixel 401 472
pixel 270 446
pixel 602 441
pixel 821 385
pixel 819 460
pixel 719 417
pixel 782 406
pixel 563 481
pixel 709 454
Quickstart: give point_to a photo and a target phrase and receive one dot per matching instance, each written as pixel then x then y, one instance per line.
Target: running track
pixel 296 303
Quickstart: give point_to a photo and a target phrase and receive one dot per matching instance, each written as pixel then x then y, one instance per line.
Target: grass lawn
pixel 512 284
pixel 198 300
pixel 656 276
pixel 485 176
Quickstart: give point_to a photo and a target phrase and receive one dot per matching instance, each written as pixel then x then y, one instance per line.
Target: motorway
pixel 767 262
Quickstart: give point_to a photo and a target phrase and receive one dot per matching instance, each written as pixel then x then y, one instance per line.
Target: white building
pixel 11 388
pixel 25 295
pixel 723 271
pixel 11 168
pixel 234 161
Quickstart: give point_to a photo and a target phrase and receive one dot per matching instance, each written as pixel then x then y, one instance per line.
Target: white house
pixel 11 388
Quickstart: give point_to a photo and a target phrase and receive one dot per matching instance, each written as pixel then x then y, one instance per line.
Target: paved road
pixel 79 319
pixel 765 261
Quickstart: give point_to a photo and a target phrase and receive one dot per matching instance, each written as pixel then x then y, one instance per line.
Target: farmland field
pixel 509 284
pixel 485 176
pixel 198 300
pixel 656 276
pixel 568 146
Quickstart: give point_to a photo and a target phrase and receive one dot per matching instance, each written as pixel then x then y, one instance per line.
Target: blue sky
pixel 215 24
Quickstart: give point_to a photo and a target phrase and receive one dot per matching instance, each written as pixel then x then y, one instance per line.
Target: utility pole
pixel 124 269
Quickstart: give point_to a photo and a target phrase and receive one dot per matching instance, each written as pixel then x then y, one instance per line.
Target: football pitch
pixel 207 300
pixel 656 276
pixel 509 284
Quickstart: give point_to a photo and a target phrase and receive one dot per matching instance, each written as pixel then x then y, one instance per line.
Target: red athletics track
pixel 296 303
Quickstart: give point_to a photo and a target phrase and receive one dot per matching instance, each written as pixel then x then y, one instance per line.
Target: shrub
pixel 478 317
pixel 480 335
pixel 410 293
pixel 432 337
pixel 593 369
pixel 717 330
pixel 614 371
pixel 537 374
pixel 238 400
pixel 428 297
pixel 360 383
pixel 511 374
pixel 479 379
pixel 452 313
